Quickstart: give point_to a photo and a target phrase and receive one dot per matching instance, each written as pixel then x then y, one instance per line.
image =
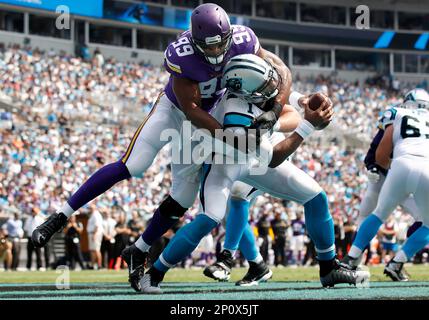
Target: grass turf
pixel 417 272
pixel 190 284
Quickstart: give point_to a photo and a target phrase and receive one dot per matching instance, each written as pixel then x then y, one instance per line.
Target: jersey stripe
pixel 133 141
pixel 237 119
pixel 172 66
pixel 206 170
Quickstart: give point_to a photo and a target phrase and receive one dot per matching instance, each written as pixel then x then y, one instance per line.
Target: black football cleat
pixel 258 272
pixel 221 269
pixel 136 261
pixel 342 273
pixel 352 263
pixel 43 233
pixel 151 281
pixel 395 271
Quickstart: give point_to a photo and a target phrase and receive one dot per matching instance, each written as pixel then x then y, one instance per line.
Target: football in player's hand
pixel 315 101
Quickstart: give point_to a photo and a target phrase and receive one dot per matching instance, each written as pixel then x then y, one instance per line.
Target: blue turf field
pixel 218 291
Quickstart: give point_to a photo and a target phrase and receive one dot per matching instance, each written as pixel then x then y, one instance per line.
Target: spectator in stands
pixel 349 230
pixel 5 250
pixel 339 234
pixel 73 232
pixel 264 235
pixel 279 226
pixel 297 244
pixel 310 253
pixel 14 230
pixel 135 224
pixel 98 60
pixel 95 236
pixel 31 224
pixel 108 242
pixel 388 232
pixel 122 239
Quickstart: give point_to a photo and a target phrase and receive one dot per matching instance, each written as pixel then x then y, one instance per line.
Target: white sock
pixel 67 210
pixel 143 246
pixel 258 259
pixel 400 257
pixel 231 251
pixel 354 252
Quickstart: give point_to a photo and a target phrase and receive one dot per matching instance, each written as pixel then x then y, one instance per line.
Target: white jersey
pixel 410 131
pixel 233 113
pixel 220 180
pixel 409 171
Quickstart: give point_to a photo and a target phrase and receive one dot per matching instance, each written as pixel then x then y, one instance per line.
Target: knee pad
pixel 170 208
pixel 241 190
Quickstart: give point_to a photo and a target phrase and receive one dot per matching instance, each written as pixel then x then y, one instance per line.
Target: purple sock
pixel 157 227
pixel 98 183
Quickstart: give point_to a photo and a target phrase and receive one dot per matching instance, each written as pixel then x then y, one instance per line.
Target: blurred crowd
pixel 60 131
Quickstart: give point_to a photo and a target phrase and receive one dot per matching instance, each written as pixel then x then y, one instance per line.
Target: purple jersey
pixel 298 227
pixel 181 60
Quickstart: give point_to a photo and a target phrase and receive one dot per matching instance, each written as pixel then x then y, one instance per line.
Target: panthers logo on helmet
pixel 234 84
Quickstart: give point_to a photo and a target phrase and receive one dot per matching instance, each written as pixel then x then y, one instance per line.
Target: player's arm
pixel 284 90
pixel 189 97
pixel 284 149
pixel 268 119
pixel 312 119
pixel 289 119
pixel 280 110
pixel 385 148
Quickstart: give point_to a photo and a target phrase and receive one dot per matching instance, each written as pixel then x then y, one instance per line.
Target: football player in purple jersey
pixel 195 62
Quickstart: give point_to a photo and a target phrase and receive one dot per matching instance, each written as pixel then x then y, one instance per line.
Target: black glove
pixel 268 119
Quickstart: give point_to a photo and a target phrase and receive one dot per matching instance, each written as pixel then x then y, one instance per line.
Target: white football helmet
pixel 416 99
pixel 251 78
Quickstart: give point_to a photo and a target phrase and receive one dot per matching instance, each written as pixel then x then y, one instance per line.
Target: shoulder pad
pixel 178 57
pixel 245 40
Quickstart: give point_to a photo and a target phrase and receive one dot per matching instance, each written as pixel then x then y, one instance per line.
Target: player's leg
pixel 367 206
pixel 241 193
pixel 393 192
pixel 420 237
pixel 215 188
pixel 183 194
pixel 139 156
pixel 237 215
pixel 369 201
pixel 173 207
pixel 290 183
pixel 239 234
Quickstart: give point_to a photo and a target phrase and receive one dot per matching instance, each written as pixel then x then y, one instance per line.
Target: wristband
pixel 294 97
pixel 305 129
pixel 277 126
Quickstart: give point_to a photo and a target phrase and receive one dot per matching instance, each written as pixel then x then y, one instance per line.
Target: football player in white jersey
pixel 407 137
pixel 377 174
pixel 251 82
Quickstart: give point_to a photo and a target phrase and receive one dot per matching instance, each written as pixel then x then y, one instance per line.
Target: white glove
pixel 373 175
